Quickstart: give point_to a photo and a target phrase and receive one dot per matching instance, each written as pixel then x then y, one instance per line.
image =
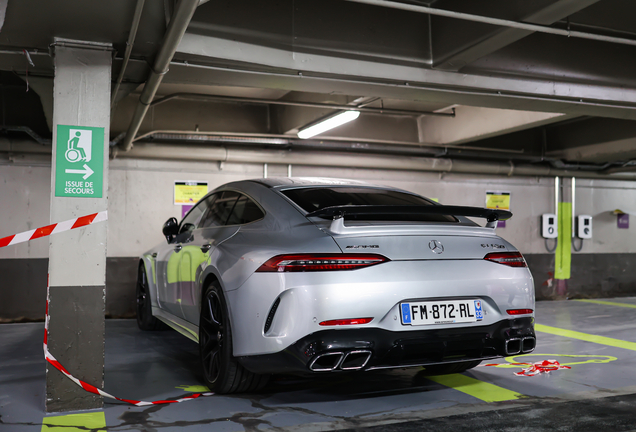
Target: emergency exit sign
pixel 79 161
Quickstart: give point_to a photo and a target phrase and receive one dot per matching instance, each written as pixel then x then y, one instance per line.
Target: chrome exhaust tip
pixel 513 346
pixel 528 344
pixel 326 362
pixel 355 360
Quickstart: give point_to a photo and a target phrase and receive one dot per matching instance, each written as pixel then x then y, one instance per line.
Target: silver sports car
pixel 315 276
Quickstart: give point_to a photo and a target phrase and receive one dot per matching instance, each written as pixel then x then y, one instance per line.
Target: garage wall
pixel 141 199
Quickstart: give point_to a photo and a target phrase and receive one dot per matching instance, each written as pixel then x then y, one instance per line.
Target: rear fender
pixel 150 267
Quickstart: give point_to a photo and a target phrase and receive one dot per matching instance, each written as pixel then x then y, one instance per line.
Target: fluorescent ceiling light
pixel 328 124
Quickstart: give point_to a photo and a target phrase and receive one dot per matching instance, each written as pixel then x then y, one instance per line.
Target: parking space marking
pixel 193 388
pixel 94 421
pixel 602 302
pixel 586 337
pixel 476 388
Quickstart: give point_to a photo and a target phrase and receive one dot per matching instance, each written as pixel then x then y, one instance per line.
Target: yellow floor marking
pixel 607 303
pixel 586 337
pixel 193 388
pixel 473 387
pixel 75 422
pixel 592 358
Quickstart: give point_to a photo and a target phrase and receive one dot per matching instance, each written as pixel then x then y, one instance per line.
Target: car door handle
pixel 206 248
pixel 178 248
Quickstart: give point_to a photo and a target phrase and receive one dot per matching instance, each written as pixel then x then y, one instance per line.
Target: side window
pixel 245 211
pixel 219 209
pixel 209 202
pixel 192 219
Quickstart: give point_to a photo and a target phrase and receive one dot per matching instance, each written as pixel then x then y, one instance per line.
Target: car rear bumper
pixel 373 348
pixel 307 299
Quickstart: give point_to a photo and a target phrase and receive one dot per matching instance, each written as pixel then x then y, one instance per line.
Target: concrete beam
pixel 189 115
pixel 623 149
pixel 473 123
pixel 463 46
pixel 295 71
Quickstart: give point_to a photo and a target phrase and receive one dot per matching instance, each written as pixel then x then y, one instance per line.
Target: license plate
pixel 441 312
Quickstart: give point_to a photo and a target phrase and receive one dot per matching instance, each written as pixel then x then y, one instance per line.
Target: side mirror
pixel 170 229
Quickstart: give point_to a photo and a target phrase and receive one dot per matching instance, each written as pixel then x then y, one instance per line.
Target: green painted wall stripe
pixel 93 421
pixel 608 303
pixel 473 387
pixel 586 337
pixel 563 253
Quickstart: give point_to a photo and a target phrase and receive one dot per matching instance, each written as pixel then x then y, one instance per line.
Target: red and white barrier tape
pixel 54 229
pixel 91 388
pixel 545 366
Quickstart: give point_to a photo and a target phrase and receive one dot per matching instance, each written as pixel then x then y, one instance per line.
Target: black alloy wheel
pixel 221 372
pixel 212 330
pixel 145 320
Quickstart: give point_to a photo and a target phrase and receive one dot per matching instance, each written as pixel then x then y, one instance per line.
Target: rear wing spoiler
pixel 338 212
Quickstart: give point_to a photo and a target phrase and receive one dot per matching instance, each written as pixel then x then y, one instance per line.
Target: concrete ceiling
pixel 517 94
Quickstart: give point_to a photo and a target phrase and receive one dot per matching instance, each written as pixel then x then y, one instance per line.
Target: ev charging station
pixel 583 226
pixel 549 226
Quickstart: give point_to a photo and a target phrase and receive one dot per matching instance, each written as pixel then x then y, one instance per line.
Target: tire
pixel 145 320
pixel 445 369
pixel 222 373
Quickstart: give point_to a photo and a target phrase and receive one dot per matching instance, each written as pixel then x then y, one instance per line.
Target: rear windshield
pixel 316 198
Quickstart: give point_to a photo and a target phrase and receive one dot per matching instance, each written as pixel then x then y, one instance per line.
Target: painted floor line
pixel 586 337
pixel 602 302
pixel 94 421
pixel 476 388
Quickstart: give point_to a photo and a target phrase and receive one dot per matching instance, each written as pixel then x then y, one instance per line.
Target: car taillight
pixel 511 259
pixel 519 311
pixel 353 321
pixel 320 262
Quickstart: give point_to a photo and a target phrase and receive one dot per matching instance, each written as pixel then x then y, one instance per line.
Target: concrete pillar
pixel 79 186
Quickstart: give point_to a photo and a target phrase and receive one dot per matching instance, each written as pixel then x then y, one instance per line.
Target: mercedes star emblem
pixel 436 246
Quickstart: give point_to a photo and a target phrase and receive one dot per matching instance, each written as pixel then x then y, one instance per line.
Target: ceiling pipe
pixel 176 29
pixel 362 108
pixel 355 146
pixel 629 166
pixel 496 21
pixel 374 146
pixel 129 46
pixel 199 153
pixel 196 153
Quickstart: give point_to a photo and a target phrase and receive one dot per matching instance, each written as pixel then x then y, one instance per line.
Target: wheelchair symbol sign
pixel 79 145
pixel 79 161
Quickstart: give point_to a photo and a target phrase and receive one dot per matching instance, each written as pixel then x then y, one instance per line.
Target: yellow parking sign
pixel 189 192
pixel 498 200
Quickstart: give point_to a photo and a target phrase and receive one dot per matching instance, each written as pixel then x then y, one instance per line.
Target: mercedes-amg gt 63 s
pixel 318 276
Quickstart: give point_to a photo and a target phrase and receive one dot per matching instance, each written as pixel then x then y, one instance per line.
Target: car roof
pixel 282 182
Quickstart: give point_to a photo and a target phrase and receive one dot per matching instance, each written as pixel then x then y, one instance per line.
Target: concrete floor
pixel 596 338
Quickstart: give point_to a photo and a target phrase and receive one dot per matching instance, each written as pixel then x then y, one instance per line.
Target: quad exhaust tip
pixel 513 346
pixel 352 360
pixel 326 362
pixel 355 360
pixel 520 345
pixel 528 344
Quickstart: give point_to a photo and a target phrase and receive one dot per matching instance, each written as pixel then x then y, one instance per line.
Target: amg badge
pixel 494 246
